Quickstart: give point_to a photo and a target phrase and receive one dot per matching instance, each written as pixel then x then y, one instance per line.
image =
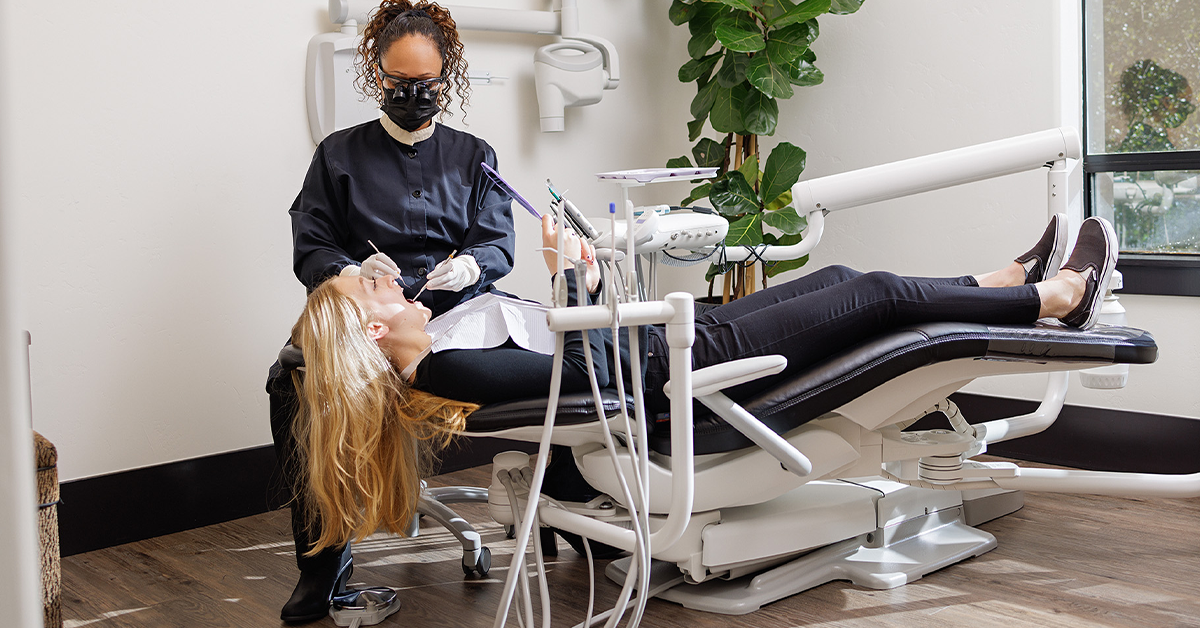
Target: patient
pixel 361 422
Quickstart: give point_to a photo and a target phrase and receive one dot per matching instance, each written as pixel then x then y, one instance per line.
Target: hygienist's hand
pixel 574 249
pixel 453 274
pixel 379 265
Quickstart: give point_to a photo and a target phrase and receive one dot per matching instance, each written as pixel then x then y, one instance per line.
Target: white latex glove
pixel 453 274
pixel 350 271
pixel 379 265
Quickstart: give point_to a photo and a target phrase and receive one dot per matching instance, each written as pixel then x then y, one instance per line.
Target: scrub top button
pixel 412 154
pixel 421 272
pixel 416 193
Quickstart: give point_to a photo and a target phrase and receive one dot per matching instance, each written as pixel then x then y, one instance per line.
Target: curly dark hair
pixel 395 19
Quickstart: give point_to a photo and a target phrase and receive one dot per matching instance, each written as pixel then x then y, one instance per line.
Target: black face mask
pixel 413 112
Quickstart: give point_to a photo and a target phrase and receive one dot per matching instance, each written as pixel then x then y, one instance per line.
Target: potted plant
pixel 746 56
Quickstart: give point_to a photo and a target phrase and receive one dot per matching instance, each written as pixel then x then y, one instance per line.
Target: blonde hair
pixel 364 435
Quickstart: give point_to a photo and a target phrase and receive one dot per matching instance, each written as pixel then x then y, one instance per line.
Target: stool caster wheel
pixel 481 567
pixel 510 532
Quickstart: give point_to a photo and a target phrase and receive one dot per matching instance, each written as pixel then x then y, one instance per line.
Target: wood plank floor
pixel 1062 560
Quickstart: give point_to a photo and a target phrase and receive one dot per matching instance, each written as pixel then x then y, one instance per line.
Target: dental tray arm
pixel 707 384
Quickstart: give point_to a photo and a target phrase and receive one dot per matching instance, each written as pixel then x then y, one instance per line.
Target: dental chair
pixel 819 478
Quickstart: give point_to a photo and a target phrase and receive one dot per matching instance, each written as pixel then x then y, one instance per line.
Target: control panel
pixel 656 231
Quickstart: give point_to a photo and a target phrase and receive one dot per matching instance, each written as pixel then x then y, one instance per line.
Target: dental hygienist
pixel 410 187
pixel 404 193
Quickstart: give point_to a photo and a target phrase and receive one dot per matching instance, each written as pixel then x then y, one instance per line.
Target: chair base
pixel 901 552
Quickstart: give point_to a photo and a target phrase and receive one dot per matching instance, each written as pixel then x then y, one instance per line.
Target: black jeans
pixel 830 310
pixel 287 481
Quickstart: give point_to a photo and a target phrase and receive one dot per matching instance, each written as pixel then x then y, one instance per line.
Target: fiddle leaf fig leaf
pixel 706 17
pixel 783 170
pixel 697 193
pixel 699 45
pixel 731 195
pixel 679 162
pixel 701 28
pixel 769 75
pixel 681 12
pixel 749 170
pixel 802 12
pixel 740 33
pixel 716 270
pixel 760 113
pixel 709 153
pixel 726 114
pixel 696 69
pixel 783 200
pixel 745 231
pixel 703 102
pixel 845 7
pixel 809 56
pixel 785 220
pixel 776 268
pixel 745 5
pixel 733 69
pixel 791 41
pixel 804 74
pixel 696 127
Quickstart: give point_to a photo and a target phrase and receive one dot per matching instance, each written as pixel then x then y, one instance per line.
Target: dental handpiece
pixel 575 218
pixel 579 223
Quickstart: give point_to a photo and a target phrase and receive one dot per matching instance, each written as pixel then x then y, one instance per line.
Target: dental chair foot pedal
pixel 364 607
pixel 663 575
pixel 982 506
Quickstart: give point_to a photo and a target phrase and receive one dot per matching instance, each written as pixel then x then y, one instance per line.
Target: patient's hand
pixel 574 249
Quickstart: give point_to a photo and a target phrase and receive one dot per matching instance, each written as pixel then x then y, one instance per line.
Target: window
pixel 1142 124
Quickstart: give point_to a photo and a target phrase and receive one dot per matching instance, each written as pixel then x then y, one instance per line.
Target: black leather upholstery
pixel 846 376
pixel 573 409
pixel 808 394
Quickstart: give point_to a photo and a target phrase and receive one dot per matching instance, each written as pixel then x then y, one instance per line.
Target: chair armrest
pixel 710 379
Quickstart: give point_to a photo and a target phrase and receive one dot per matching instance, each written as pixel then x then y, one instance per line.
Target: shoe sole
pixel 1059 250
pixel 1110 264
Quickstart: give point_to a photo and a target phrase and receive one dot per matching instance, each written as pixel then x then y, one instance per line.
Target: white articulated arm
pixel 707 384
pixel 1037 421
pixel 1102 483
pixel 816 197
pixel 810 238
pixel 936 171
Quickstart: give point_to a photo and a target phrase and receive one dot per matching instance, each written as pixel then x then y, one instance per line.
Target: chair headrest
pixel 291 357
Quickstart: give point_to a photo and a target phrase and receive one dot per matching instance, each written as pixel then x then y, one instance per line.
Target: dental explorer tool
pixel 448 258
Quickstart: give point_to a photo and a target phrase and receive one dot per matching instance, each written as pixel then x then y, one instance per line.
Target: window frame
pixel 1170 275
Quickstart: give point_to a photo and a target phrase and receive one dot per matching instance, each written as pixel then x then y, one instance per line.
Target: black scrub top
pixel 416 203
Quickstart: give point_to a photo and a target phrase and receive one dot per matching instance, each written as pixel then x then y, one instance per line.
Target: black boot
pixel 317 586
pixel 564 482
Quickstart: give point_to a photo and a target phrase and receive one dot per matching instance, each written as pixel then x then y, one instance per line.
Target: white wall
pixel 158 146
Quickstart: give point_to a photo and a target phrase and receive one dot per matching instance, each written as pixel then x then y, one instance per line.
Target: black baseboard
pixel 1098 439
pixel 144 503
pixel 133 505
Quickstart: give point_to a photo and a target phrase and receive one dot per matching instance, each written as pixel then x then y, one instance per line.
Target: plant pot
pixel 707 304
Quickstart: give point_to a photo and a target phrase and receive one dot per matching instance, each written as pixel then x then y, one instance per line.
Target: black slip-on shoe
pixel 315 590
pixel 1094 257
pixel 1041 262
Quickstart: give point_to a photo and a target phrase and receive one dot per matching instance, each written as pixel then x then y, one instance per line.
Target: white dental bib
pixel 489 321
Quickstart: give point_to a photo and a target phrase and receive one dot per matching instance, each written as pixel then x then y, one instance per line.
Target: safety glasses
pixel 403 89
